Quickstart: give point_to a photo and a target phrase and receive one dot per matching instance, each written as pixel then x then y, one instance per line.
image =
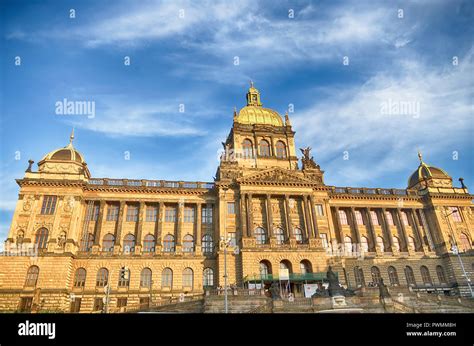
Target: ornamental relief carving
pixel 28 203
pixel 69 204
pixel 60 168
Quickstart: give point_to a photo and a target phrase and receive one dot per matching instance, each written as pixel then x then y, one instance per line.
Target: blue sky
pixel 182 52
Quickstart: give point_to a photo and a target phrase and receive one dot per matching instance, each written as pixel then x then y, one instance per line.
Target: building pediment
pixel 276 176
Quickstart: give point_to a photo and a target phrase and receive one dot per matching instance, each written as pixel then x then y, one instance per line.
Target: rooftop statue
pixel 307 159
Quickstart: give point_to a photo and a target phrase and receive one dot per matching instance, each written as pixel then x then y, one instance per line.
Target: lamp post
pixel 225 243
pixel 455 250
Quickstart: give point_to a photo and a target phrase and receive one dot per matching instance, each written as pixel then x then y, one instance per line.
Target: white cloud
pixel 354 120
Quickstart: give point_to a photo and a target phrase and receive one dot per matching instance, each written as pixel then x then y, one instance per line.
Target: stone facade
pixel 263 212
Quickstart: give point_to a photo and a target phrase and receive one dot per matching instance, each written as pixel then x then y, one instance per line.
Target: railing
pixel 372 191
pixel 234 292
pixel 150 183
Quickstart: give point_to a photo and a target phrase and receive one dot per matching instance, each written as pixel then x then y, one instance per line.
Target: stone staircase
pixel 190 307
pixel 236 304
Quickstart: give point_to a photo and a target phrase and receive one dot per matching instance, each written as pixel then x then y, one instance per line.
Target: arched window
pixel 167 278
pixel 124 277
pixel 280 150
pixel 298 235
pixel 208 277
pixel 285 264
pixel 409 276
pixel 188 278
pixel 265 268
pixel 348 244
pixel 465 243
pixel 149 243
pixel 207 244
pixel 260 236
pixel 168 243
pixel 343 217
pixel 129 243
pixel 396 244
pixel 389 218
pixel 380 244
pixel 41 240
pixel 102 277
pixel 375 272
pixel 305 267
pixel 364 244
pixel 108 242
pixel 80 277
pixel 441 275
pixel 145 278
pixel 247 149
pixel 264 148
pixel 359 276
pixel 32 276
pixel 279 235
pixel 425 276
pixel 393 276
pixel 86 242
pixel 188 243
pixel 411 243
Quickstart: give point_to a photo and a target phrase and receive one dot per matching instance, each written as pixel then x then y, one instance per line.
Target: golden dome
pixel 259 115
pixel 425 172
pixel 68 153
pixel 254 113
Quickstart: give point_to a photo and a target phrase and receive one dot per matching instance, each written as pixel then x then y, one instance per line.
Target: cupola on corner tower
pixel 259 137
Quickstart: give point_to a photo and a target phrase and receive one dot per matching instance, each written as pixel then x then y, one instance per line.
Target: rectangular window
pixel 98 304
pixel 144 303
pixel 343 217
pixel 170 214
pixel 121 302
pixel 319 210
pixel 132 213
pixel 405 218
pixel 233 240
pixel 112 212
pixel 324 238
pixel 230 208
pixel 25 304
pixel 375 219
pixel 151 213
pixel 207 215
pixel 455 214
pixel 95 212
pixel 389 218
pixel 49 205
pixel 76 305
pixel 359 218
pixel 188 214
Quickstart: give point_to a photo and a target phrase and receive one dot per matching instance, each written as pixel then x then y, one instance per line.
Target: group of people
pixel 232 287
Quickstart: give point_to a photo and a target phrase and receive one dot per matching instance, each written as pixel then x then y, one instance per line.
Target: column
pixel 180 220
pixel 289 229
pixel 426 230
pixel 141 217
pixel 315 217
pixel 198 223
pixel 417 231
pixel 355 225
pixel 249 215
pixel 159 225
pixel 307 230
pixel 386 227
pixel 118 230
pixel 402 227
pixel 269 216
pixel 308 216
pixel 371 229
pixel 243 219
pixel 338 226
pixel 100 219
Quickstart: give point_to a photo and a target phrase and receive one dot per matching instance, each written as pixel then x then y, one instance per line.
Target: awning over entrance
pixel 294 277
